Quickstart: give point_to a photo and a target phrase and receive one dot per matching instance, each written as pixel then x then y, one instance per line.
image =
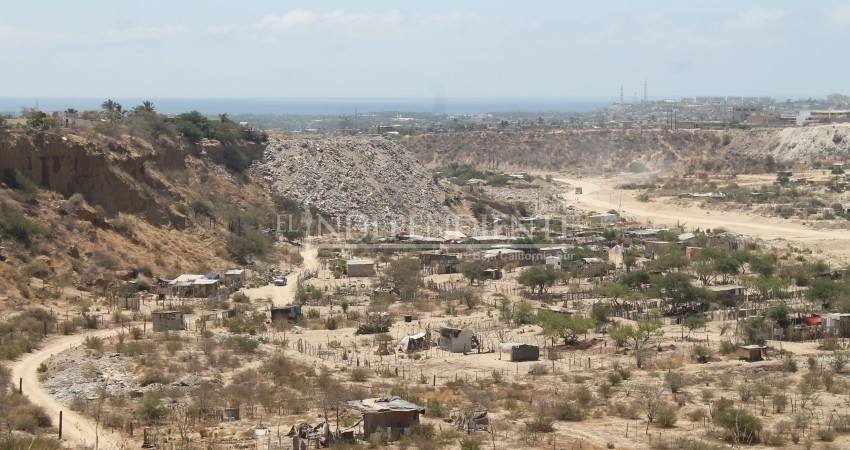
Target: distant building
pixel 360 268
pixel 741 113
pixel 167 321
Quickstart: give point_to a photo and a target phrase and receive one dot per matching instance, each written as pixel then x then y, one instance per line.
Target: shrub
pixel 569 411
pixel 28 418
pixel 674 380
pixel 19 182
pixel 540 424
pixel 726 347
pixel 538 369
pixel 331 323
pixel 93 343
pixel 666 415
pixel 470 443
pixel 241 297
pixel 235 159
pixel 740 425
pixel 360 374
pixel 15 225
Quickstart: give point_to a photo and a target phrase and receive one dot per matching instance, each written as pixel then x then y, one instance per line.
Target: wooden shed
pixel 750 353
pixel 168 321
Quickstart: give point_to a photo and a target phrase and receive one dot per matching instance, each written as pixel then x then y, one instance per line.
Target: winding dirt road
pixel 284 295
pixel 78 431
pixel 600 195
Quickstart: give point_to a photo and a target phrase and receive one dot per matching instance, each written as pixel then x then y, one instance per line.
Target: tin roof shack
pixel 234 278
pixel 206 286
pixel 728 294
pixel 554 261
pixel 387 413
pixel 601 218
pixel 493 274
pixel 455 340
pixel 440 263
pixel 836 324
pixel 521 352
pixel 288 312
pixel 750 353
pixel 595 267
pixel 168 321
pixel 651 249
pixel 360 268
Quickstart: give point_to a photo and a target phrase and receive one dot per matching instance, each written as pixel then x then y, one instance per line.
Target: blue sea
pixel 317 106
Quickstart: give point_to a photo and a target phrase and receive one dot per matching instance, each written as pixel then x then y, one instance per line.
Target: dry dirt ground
pixel 599 195
pixel 512 394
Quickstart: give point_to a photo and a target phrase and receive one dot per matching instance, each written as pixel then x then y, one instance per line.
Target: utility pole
pixel 644 90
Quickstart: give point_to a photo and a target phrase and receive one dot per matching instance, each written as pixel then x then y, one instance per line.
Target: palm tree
pixel 147 106
pixel 113 109
pixel 108 106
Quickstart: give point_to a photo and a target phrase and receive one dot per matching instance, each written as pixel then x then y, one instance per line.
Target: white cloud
pixel 219 29
pixel 840 15
pixel 291 19
pixel 756 19
pixel 142 33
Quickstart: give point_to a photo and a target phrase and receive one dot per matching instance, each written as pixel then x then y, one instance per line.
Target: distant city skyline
pixel 424 50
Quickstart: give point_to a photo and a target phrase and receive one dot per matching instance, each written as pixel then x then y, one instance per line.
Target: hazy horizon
pixel 423 50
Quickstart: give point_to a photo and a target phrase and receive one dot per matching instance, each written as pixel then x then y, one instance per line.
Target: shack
pixel 413 342
pixel 750 353
pixel 387 413
pixel 728 294
pixel 360 268
pixel 168 321
pixel 456 340
pixel 521 352
pixel 288 312
pixel 234 278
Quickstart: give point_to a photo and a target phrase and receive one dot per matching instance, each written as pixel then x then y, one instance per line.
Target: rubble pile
pixel 356 178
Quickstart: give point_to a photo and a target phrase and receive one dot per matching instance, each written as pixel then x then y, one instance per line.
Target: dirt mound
pixel 352 177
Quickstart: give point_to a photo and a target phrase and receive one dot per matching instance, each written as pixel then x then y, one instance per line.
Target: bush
pixel 241 297
pixel 569 411
pixel 540 424
pixel 726 347
pixel 740 425
pixel 666 415
pixel 28 418
pixel 93 343
pixel 674 380
pixel 19 182
pixel 15 225
pixel 235 159
pixel 331 323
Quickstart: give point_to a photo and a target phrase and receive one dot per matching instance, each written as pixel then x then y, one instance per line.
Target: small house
pixel 595 267
pixel 554 261
pixel 601 218
pixel 651 249
pixel 439 263
pixel 493 274
pixel 288 312
pixel 206 286
pixel 168 321
pixel 521 352
pixel 234 278
pixel 392 414
pixel 750 353
pixel 360 268
pixel 836 323
pixel 728 294
pixel 456 340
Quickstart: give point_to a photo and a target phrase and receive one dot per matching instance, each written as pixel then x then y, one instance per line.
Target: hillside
pixel 600 151
pixel 94 209
pixel 353 177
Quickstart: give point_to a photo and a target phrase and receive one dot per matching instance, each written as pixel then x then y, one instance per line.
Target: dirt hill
pixel 94 210
pixel 599 151
pixel 353 176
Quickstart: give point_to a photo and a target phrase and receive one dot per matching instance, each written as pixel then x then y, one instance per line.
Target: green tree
pixel 827 292
pixel 641 339
pixel 472 271
pixel 764 265
pixel 566 327
pixel 676 289
pixel 778 314
pixel 112 110
pixel 630 257
pixel 523 313
pixel 539 277
pixel 694 322
pixel 740 425
pixel 405 275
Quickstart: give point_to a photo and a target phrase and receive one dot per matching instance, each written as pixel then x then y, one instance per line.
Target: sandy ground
pixel 599 195
pixel 284 295
pixel 77 430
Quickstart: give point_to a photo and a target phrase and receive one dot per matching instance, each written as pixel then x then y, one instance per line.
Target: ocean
pixel 317 106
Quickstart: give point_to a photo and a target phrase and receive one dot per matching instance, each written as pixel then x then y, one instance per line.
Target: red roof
pixel 813 320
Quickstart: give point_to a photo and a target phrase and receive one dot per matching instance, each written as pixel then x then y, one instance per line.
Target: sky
pixel 423 49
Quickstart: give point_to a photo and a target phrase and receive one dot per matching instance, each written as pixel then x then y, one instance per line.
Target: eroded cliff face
pixel 120 175
pixel 596 151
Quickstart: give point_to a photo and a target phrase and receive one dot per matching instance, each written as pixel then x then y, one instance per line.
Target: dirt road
pixel 600 195
pixel 78 431
pixel 284 295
